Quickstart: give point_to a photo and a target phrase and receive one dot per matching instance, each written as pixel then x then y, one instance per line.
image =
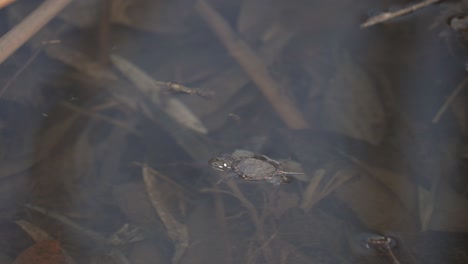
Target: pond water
pixel 111 113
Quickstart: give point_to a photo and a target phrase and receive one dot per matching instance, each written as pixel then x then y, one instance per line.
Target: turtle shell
pixel 254 169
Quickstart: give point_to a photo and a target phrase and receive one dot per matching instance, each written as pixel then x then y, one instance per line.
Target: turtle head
pixel 286 179
pixel 221 163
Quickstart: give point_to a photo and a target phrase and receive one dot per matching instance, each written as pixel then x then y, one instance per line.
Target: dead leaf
pixel 153 89
pixel 176 231
pixel 352 105
pixel 44 252
pixel 376 205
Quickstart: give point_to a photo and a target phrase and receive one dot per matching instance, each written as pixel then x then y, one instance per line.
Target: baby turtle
pixel 252 168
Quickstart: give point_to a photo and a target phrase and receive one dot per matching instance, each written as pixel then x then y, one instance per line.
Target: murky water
pixel 108 122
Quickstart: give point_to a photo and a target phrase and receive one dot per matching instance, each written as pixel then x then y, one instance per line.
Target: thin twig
pixel 80 62
pixel 449 101
pixel 392 255
pixel 16 37
pixel 102 117
pixel 63 219
pixel 23 68
pixel 221 217
pixel 20 71
pixel 215 190
pixel 391 15
pixel 253 66
pixel 252 212
pixel 267 253
pixel 35 232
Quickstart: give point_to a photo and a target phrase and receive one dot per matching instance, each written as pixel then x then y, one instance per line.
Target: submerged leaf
pixel 352 105
pixel 44 252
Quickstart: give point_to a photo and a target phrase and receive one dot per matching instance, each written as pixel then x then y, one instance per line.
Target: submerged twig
pixel 315 192
pixel 30 60
pixel 266 250
pixel 449 100
pixel 19 72
pixel 223 226
pixel 80 62
pixel 253 213
pixel 63 219
pixel 426 207
pixel 401 12
pixel 35 232
pixel 102 117
pixel 253 66
pixel 16 37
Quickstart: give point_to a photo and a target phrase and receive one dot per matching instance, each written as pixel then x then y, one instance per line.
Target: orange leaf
pixel 43 252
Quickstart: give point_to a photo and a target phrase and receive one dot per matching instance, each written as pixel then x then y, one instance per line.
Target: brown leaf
pixel 44 252
pixel 352 105
pixel 376 205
